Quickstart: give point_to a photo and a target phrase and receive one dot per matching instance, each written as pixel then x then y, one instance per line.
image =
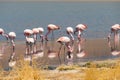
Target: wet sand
pixel 96 49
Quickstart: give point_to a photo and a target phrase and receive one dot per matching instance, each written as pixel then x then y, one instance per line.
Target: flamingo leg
pixel 115 39
pixel 35 48
pixel 52 42
pixel 69 54
pixel 13 50
pixel 72 38
pixel 31 51
pixel 27 49
pixel 3 48
pixel 5 44
pixel 64 53
pixel 59 53
pixel 35 45
pixel 79 43
pixel 46 38
pixel 108 39
pixel 42 42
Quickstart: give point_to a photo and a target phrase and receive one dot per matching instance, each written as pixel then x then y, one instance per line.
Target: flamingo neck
pixel 6 36
pixel 46 36
pixel 72 38
pixel 79 35
pixel 35 37
pixel 79 46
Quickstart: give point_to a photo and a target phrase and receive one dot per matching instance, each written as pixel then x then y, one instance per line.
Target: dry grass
pixel 23 71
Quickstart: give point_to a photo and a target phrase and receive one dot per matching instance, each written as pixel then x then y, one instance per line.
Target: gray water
pixel 98 16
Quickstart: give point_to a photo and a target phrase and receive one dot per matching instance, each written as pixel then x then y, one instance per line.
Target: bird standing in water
pixel 29 45
pixel 80 28
pixel 114 29
pixel 12 36
pixel 64 40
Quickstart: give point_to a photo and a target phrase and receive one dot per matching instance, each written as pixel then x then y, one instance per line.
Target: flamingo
pixel 41 30
pixel 80 28
pixel 64 40
pixel 40 52
pixel 12 36
pixel 35 32
pixel 114 29
pixel 29 44
pixel 51 28
pixel 6 36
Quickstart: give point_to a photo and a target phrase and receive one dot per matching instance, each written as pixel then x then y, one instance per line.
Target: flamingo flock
pixel 33 51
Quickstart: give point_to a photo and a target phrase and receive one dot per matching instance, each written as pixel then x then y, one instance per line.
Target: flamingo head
pixel 1 31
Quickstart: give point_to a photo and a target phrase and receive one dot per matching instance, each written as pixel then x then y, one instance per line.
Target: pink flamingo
pixel 80 28
pixel 35 32
pixel 12 36
pixel 41 30
pixel 66 42
pixel 114 29
pixel 6 36
pixel 29 44
pixel 51 28
pixel 40 52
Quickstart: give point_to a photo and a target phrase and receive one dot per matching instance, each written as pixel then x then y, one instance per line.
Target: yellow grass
pixel 23 71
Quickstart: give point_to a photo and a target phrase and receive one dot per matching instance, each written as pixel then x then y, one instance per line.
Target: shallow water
pixel 96 49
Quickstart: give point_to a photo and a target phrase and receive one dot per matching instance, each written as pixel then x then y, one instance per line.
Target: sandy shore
pixel 96 50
